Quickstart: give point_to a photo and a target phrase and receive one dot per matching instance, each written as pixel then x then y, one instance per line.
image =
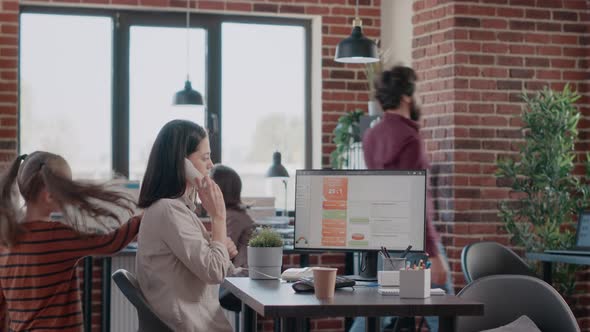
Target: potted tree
pixel 265 255
pixel 541 177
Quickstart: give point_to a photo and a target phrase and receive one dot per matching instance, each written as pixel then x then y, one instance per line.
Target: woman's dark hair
pixel 393 84
pixel 43 170
pixel 230 184
pixel 164 176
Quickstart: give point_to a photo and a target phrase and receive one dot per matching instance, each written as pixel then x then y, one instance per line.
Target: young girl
pixel 38 256
pixel 239 223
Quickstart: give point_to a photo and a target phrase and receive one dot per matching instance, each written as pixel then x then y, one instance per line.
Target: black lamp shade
pixel 188 96
pixel 277 170
pixel 356 48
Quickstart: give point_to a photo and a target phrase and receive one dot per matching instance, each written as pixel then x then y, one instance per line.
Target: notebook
pixel 582 246
pixel 395 291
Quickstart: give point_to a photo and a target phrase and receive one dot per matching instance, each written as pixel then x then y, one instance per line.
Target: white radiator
pixel 355 156
pixel 123 313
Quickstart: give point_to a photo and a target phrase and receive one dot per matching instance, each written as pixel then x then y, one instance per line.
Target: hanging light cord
pixel 188 19
pixel 357 22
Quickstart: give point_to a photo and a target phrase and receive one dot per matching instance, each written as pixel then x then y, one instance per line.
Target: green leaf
pixel 266 237
pixel 346 132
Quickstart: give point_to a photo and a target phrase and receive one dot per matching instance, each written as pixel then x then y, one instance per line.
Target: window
pixel 107 78
pixel 157 69
pixel 263 104
pixel 65 90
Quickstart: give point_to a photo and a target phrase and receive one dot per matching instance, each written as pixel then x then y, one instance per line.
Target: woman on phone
pixel 179 265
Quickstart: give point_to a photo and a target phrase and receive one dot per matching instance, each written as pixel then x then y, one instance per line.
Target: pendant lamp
pixel 356 48
pixel 188 96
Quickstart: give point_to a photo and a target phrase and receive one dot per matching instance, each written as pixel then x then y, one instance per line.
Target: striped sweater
pixel 39 287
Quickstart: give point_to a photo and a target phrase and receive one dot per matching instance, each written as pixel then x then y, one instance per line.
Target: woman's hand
pixel 212 199
pixel 231 247
pixel 213 202
pixel 439 269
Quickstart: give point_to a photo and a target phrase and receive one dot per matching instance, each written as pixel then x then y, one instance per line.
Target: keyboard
pixel 305 284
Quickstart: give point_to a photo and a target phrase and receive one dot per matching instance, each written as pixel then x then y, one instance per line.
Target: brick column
pixel 474 59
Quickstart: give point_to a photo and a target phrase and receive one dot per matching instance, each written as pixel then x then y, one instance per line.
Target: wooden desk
pixel 273 298
pixel 549 259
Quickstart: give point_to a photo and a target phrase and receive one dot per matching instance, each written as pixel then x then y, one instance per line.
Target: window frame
pixel 212 24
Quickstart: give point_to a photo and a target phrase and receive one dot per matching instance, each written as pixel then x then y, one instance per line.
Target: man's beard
pixel 415 111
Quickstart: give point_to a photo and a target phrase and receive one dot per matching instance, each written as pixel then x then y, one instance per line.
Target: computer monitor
pixel 360 210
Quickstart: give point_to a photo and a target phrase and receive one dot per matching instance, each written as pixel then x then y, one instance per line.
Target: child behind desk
pixel 239 223
pixel 38 256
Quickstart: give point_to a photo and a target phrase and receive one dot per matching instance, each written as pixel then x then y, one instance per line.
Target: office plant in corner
pixel 265 255
pixel 547 194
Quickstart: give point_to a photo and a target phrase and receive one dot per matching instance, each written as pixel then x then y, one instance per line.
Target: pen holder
pixel 388 275
pixel 414 284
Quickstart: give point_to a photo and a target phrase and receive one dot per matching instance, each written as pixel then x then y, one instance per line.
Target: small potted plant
pixel 265 255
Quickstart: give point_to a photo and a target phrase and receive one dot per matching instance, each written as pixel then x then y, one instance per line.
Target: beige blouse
pixel 179 268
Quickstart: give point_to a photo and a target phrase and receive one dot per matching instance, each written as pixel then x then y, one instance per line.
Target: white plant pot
pixel 375 108
pixel 265 263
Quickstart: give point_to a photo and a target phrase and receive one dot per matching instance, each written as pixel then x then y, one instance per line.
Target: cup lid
pixel 321 268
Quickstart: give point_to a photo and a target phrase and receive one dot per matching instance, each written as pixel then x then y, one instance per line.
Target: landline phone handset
pixel 192 174
pixel 294 274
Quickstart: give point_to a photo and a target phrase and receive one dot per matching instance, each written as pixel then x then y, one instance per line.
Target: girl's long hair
pixel 76 200
pixel 230 184
pixel 9 227
pixel 164 175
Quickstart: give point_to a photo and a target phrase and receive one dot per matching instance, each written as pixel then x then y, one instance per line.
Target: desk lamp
pixel 277 170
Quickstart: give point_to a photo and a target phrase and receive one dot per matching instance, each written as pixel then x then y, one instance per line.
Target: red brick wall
pixel 343 87
pixel 474 58
pixel 8 78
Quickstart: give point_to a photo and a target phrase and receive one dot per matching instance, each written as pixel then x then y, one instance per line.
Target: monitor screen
pixel 360 209
pixel 583 231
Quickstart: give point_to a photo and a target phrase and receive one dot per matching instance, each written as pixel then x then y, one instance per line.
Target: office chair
pixel 482 259
pixel 229 301
pixel 507 297
pixel 148 320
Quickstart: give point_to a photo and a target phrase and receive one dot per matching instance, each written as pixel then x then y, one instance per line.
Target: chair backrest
pixel 148 320
pixel 507 297
pixel 483 259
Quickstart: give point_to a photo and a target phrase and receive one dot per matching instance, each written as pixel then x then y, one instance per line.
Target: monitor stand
pixel 369 261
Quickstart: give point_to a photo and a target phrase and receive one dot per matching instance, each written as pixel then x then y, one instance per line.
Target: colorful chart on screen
pixel 360 210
